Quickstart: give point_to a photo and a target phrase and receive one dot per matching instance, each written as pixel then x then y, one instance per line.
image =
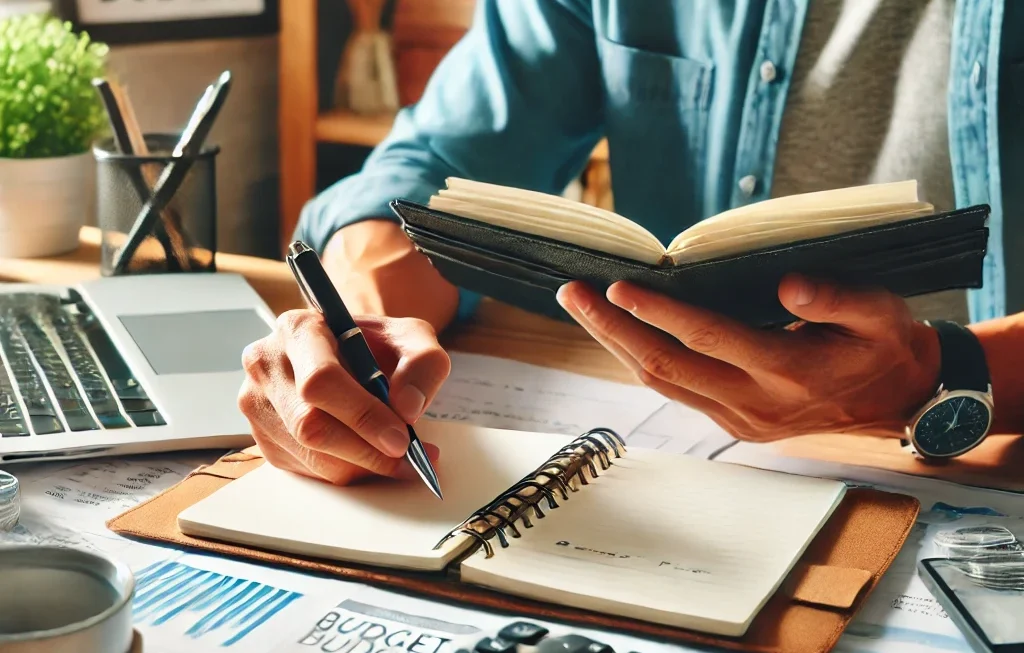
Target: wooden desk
pixel 497 330
pixel 500 330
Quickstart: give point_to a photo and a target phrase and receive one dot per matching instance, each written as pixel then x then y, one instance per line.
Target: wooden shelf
pixel 347 128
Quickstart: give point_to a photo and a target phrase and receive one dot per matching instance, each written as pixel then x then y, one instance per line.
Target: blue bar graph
pixel 204 603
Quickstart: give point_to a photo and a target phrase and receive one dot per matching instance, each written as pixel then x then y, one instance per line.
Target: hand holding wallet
pixel 519 247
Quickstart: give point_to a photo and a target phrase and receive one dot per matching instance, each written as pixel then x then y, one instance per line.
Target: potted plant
pixel 49 116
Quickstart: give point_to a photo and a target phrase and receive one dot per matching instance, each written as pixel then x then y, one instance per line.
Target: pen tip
pixel 429 477
pixel 421 463
pixel 436 489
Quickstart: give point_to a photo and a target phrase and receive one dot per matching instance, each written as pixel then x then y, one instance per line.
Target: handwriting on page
pixel 626 558
pixel 499 393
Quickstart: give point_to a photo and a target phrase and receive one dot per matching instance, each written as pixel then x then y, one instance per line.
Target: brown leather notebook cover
pixel 807 615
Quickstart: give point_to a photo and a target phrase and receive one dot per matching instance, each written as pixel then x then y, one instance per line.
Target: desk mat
pixel 833 578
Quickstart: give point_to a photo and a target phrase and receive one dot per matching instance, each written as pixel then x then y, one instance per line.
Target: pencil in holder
pixel 157 212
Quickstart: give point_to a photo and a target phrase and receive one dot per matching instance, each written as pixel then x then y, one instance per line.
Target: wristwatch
pixel 959 416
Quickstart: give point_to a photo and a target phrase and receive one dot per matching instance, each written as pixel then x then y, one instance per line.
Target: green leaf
pixel 48 106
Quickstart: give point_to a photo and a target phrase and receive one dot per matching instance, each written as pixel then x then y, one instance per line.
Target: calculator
pixel 528 637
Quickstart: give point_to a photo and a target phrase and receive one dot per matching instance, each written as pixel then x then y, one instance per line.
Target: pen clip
pixel 303 286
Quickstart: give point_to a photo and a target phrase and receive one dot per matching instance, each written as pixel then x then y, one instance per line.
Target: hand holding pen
pixel 309 413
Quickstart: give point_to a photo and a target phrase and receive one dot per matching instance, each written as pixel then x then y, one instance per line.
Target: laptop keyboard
pixel 60 372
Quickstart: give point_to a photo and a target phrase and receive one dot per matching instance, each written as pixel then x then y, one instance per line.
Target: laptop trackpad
pixel 195 343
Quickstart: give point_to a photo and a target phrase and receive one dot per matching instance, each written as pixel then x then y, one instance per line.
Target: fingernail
pixel 805 292
pixel 563 297
pixel 408 402
pixel 394 442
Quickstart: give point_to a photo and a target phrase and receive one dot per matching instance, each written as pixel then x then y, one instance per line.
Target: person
pixel 860 364
pixel 705 106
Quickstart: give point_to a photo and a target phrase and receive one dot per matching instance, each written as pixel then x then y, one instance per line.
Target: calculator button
pixel 523 632
pixel 495 645
pixel 572 644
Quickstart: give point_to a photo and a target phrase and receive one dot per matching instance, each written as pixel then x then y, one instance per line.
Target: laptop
pixel 125 365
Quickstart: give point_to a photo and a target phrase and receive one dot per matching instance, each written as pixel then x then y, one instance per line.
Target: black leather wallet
pixel 915 257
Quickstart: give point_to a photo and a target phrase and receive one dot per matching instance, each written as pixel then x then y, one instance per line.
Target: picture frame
pixel 118 22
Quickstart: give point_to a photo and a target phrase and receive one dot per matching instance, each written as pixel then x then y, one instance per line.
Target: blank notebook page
pixel 383 522
pixel 666 538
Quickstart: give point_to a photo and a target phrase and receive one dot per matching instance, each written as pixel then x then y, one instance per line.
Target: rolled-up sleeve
pixel 516 102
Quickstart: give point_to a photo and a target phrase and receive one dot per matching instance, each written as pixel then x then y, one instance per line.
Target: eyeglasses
pixel 990 556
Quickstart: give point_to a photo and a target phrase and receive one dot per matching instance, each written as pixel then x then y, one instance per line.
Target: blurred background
pixel 166 64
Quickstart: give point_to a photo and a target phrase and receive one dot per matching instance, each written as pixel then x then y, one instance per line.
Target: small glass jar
pixel 10 502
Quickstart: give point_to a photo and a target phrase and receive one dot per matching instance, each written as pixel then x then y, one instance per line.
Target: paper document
pixel 67 504
pixel 108 485
pixel 200 604
pixel 500 393
pixel 377 621
pixel 676 428
pixel 187 603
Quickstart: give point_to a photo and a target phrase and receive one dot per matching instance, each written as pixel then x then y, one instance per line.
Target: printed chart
pixel 205 605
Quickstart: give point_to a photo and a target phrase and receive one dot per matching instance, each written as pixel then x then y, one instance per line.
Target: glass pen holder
pixel 157 212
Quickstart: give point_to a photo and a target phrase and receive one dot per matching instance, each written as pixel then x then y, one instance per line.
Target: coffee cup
pixel 64 600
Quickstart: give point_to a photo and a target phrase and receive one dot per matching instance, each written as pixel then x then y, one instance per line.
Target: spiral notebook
pixel 581 522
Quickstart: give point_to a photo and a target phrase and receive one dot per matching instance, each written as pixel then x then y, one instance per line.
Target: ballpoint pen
pixel 173 176
pixel 322 296
pixel 126 143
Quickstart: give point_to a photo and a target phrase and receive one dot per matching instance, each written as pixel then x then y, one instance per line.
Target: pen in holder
pixel 181 232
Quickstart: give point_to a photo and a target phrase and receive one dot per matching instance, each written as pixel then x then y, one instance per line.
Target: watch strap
pixel 963 358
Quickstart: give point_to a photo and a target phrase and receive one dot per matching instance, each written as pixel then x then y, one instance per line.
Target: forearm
pixel 1003 340
pixel 378 272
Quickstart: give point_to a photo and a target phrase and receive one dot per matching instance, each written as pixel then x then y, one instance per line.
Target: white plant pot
pixel 44 203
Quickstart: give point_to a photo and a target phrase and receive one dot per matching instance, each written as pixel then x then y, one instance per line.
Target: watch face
pixel 954 425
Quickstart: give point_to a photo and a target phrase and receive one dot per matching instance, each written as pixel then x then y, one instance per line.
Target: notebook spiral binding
pixel 563 473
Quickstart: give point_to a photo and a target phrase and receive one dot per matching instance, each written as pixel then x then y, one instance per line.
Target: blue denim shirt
pixel 676 88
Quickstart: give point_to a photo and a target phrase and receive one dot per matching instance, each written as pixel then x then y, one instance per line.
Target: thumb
pixel 869 313
pixel 422 365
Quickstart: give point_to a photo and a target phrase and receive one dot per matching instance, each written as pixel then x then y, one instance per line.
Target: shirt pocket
pixel 656 122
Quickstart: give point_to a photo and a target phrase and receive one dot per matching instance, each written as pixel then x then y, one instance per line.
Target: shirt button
pixel 976 74
pixel 768 72
pixel 747 185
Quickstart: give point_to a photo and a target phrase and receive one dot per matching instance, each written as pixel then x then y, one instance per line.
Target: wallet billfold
pixel 922 255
